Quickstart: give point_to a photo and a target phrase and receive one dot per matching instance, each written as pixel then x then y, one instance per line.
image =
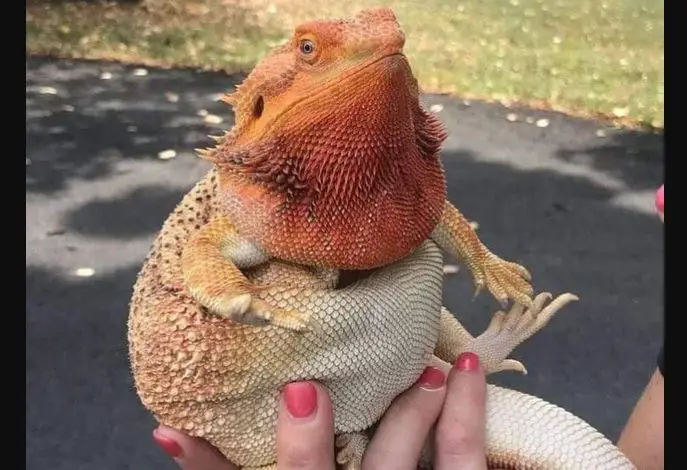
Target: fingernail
pixel 660 201
pixel 300 398
pixel 467 362
pixel 432 378
pixel 168 445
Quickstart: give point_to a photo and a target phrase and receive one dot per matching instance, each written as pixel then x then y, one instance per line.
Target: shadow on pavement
pixel 630 156
pixel 81 408
pixel 138 212
pixel 81 126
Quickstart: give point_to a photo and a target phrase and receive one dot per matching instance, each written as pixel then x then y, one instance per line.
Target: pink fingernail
pixel 468 361
pixel 167 444
pixel 432 378
pixel 300 399
pixel 660 204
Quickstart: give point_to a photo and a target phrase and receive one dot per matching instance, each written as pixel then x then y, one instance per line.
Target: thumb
pixel 190 453
pixel 305 428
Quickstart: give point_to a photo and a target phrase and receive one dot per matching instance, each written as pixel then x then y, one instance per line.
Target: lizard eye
pixel 307 47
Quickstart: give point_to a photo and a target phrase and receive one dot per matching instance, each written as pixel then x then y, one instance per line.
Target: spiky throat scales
pixel 349 177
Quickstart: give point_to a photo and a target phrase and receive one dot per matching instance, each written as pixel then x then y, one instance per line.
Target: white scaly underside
pixel 368 343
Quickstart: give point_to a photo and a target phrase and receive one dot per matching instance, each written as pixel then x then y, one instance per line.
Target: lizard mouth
pixel 390 62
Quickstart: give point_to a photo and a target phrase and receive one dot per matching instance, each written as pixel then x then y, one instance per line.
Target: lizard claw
pixel 511 365
pixel 248 310
pixel 506 331
pixel 505 280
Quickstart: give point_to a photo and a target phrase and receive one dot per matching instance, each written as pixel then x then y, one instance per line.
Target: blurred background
pixel 555 114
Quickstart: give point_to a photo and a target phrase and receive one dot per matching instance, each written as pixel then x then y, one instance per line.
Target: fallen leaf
pixel 436 108
pixel 451 268
pixel 85 272
pixel 167 154
pixel 213 119
pixel 621 112
pixel 47 90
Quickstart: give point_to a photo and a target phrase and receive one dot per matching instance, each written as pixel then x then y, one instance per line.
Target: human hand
pixel 305 435
pixel 451 412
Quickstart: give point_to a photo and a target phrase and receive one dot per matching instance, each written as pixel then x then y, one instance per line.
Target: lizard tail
pixel 527 433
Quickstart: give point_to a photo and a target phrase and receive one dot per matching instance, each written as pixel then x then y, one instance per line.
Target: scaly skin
pixel 331 172
pixel 334 164
pixel 367 343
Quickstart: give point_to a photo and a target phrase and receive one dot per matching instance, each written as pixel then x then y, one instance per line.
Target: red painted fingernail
pixel 170 446
pixel 467 361
pixel 660 201
pixel 432 378
pixel 300 398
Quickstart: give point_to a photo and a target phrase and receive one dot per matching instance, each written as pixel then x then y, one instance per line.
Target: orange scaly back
pixel 332 161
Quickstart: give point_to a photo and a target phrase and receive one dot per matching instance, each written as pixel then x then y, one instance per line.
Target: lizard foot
pixel 504 279
pixel 249 310
pixel 508 330
pixel 352 448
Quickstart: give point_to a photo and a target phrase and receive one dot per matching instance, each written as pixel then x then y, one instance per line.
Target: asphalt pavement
pixel 109 153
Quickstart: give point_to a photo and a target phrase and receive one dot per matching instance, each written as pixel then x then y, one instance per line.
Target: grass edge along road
pixel 592 59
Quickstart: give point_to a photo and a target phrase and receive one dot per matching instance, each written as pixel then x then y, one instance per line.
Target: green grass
pixel 585 57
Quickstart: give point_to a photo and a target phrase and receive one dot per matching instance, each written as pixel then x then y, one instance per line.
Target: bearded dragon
pixel 312 251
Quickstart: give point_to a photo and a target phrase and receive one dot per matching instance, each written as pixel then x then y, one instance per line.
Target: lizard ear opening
pixel 259 107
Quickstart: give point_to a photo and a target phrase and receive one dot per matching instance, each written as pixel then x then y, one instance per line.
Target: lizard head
pixel 329 136
pixel 302 79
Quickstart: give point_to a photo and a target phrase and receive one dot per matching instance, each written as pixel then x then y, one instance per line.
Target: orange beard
pixel 353 183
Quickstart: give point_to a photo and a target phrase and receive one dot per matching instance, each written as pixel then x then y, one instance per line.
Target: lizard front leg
pixel 503 279
pixel 505 332
pixel 211 263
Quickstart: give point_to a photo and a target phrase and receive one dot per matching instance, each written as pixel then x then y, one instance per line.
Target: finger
pixel 660 201
pixel 402 432
pixel 190 453
pixel 305 428
pixel 460 432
